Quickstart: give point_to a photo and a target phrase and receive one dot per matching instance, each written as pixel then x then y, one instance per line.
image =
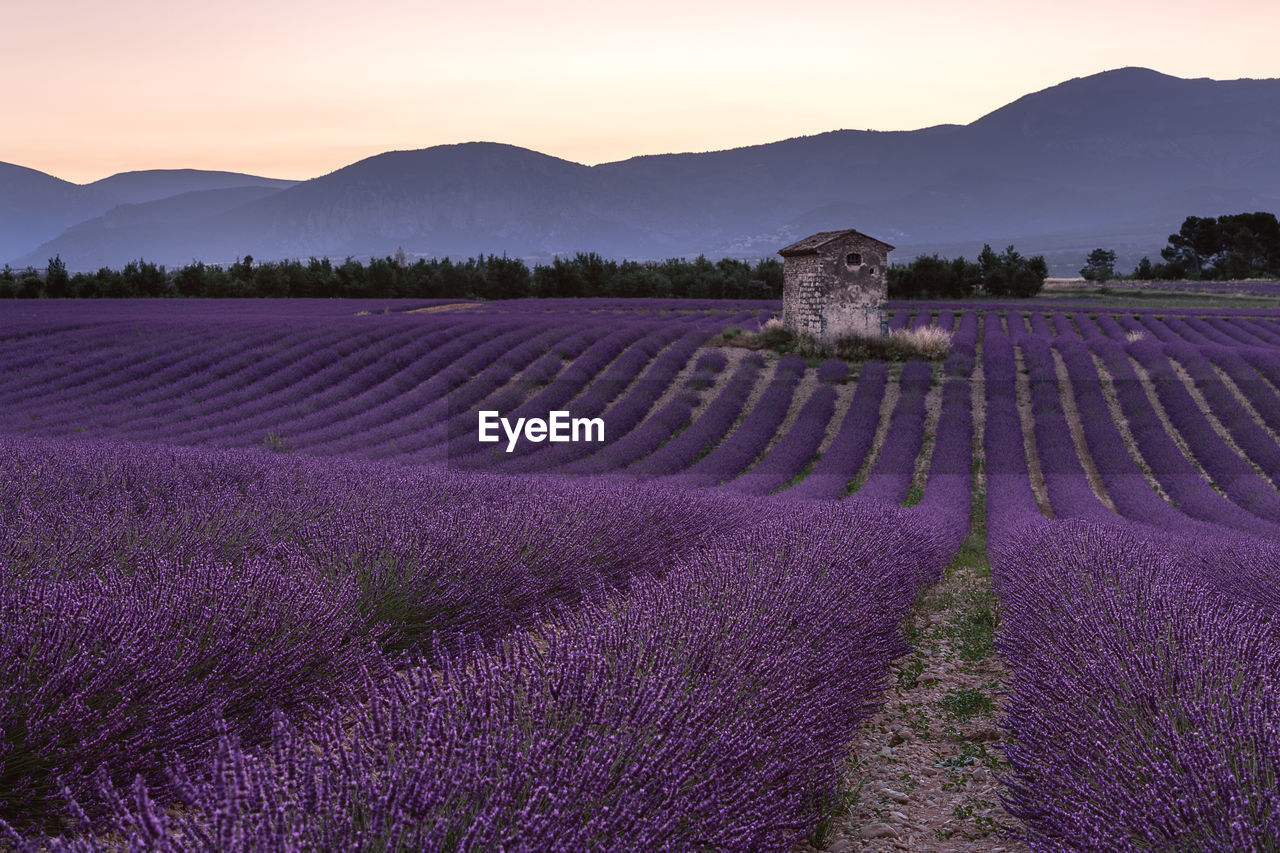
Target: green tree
pixel 506 278
pixel 30 285
pixel 562 278
pixel 57 283
pixel 242 273
pixel 143 278
pixel 1191 250
pixel 1240 245
pixel 768 271
pixel 1100 265
pixel 1249 246
pixel 933 277
pixel 269 280
pixel 1144 271
pixel 1011 274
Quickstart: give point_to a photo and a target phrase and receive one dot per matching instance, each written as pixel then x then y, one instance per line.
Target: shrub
pixel 928 342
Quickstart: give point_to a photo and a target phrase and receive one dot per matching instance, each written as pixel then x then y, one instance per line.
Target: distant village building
pixel 835 284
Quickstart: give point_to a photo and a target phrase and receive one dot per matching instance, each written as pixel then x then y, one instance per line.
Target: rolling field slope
pixel 263 588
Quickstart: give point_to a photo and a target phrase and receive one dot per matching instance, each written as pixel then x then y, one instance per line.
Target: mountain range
pixel 1113 160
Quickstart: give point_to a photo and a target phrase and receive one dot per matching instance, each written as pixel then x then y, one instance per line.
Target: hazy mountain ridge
pixel 36 208
pixel 1115 159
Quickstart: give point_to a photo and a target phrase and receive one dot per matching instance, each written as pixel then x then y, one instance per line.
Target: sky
pixel 299 88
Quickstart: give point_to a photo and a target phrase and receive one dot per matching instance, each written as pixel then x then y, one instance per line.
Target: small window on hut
pixel 853 259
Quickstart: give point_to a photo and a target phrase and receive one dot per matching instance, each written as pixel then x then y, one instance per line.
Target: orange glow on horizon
pixel 294 90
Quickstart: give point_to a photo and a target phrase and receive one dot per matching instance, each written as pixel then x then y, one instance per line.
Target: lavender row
pixel 1232 474
pixel 107 361
pixel 572 379
pixel 705 709
pixel 1180 480
pixel 486 374
pixel 1146 708
pixel 1268 331
pixel 1124 481
pixel 1261 394
pixel 629 306
pixel 517 396
pixel 1083 307
pixel 258 398
pixel 1260 448
pixel 964 343
pixel 242 408
pixel 426 404
pixel 1010 500
pixel 61 311
pixel 121 360
pixel 626 390
pixel 1064 476
pixel 622 418
pixel 891 474
pixel 833 371
pixel 704 434
pixel 663 423
pixel 787 460
pixel 745 444
pixel 948 489
pixel 832 474
pixel 147 591
pixel 1239 332
pixel 1064 326
pixel 1039 327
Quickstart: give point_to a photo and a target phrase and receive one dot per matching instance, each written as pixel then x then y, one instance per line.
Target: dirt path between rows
pixel 436 309
pixel 1035 473
pixel 1066 394
pixel 922 771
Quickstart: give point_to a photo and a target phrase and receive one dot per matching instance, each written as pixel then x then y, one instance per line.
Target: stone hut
pixel 835 284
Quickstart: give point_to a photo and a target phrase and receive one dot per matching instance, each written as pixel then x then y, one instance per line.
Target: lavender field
pixel 263 588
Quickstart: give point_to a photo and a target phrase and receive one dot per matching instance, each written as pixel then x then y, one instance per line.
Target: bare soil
pixel 1038 487
pixel 844 398
pixel 1122 425
pixel 1231 386
pixel 1067 395
pixel 705 395
pixel 922 771
pixel 891 394
pixel 436 309
pixel 1203 405
pixel 804 390
pixel 932 412
pixel 1149 388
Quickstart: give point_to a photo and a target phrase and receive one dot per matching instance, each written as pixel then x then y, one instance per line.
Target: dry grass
pixel 436 309
pixel 929 343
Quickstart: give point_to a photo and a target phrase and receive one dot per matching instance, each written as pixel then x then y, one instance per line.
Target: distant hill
pixel 153 184
pixel 1117 159
pixel 155 230
pixel 35 207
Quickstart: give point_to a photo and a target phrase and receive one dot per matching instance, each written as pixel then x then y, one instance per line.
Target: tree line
pixel 1234 246
pixel 1243 245
pixel 1003 275
pixel 486 277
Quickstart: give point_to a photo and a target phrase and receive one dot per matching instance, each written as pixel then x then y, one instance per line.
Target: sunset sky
pixel 294 89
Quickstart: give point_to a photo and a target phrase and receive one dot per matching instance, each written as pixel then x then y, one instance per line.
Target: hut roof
pixel 811 244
